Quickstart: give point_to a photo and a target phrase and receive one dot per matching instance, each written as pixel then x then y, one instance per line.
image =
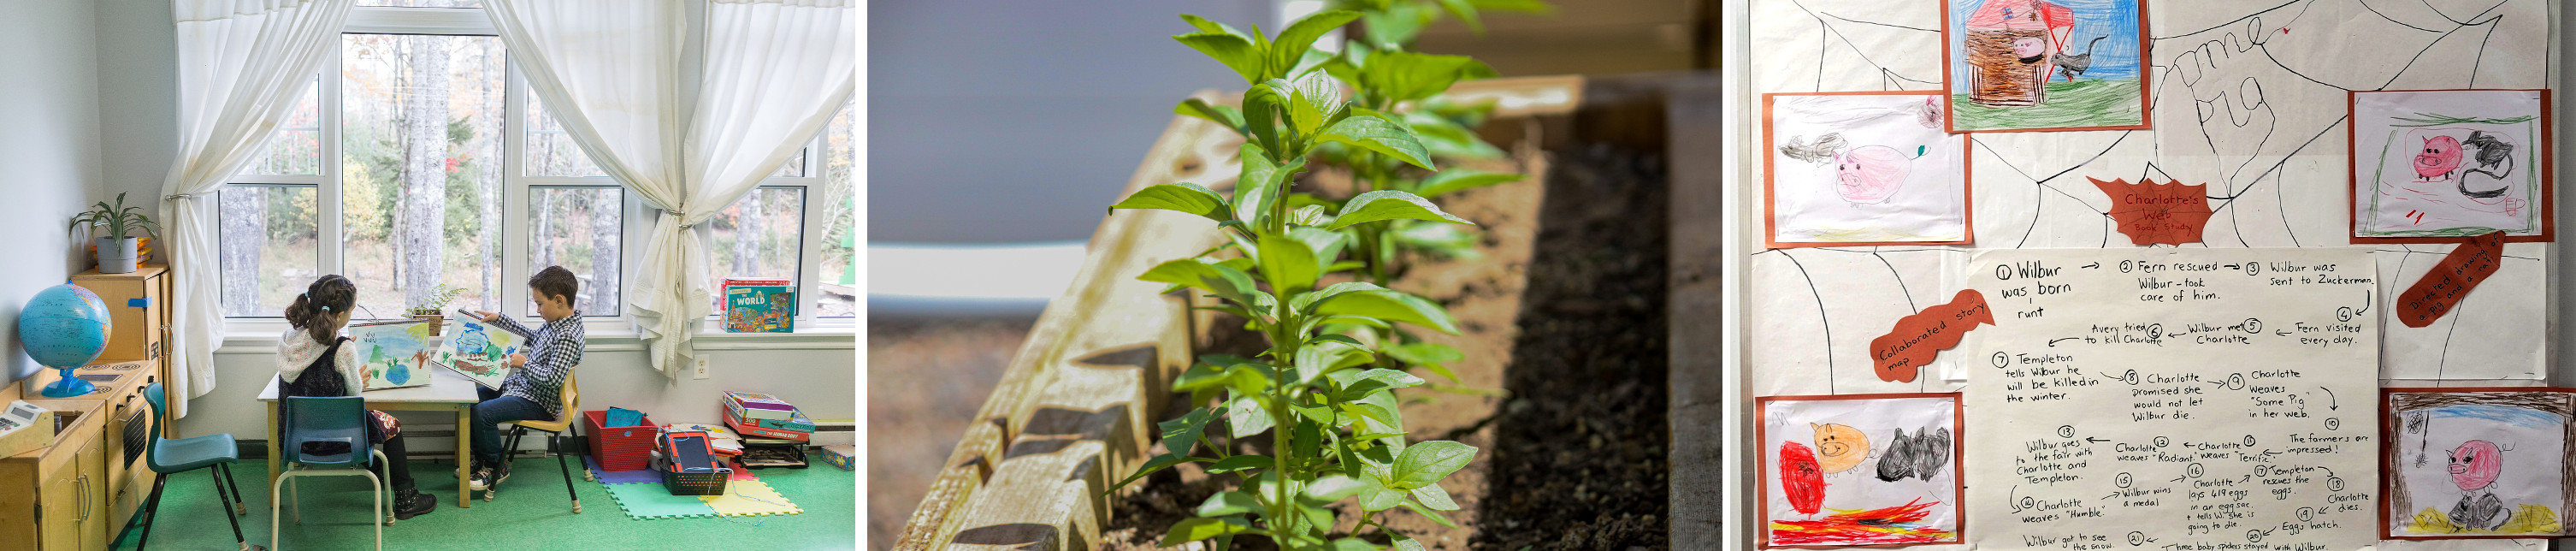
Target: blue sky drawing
pixel 2115 58
pixel 2519 417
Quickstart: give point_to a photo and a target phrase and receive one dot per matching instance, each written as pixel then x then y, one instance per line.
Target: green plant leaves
pixel 1405 544
pixel 1427 356
pixel 1287 264
pixel 1230 117
pixel 1407 76
pixel 1387 306
pixel 1195 529
pixel 1430 495
pixel 1390 205
pixel 1182 197
pixel 1245 417
pixel 1426 463
pixel 1334 487
pixel 1235 51
pixel 1460 179
pixel 1234 502
pixel 1314 100
pixel 1227 282
pixel 1378 497
pixel 1181 434
pixel 1378 135
pixel 1374 380
pixel 1293 42
pixel 1241 463
pixel 1258 187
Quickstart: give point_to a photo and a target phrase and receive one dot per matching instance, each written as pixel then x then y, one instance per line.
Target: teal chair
pixel 307 420
pixel 175 455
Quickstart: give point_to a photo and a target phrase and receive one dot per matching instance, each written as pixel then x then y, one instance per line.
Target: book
pixel 795 421
pixel 844 456
pixel 752 405
pixel 478 351
pixel 759 306
pixel 752 431
pixel 391 354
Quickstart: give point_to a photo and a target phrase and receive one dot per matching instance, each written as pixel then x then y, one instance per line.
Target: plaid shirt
pixel 552 352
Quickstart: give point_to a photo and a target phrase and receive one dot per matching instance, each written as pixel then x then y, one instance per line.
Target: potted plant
pixel 435 308
pixel 116 250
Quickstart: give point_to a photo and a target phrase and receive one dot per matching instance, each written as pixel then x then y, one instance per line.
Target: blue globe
pixel 64 326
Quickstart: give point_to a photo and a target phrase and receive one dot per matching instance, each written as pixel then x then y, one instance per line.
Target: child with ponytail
pixel 312 362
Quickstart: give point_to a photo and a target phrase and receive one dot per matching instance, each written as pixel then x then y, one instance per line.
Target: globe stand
pixel 69 386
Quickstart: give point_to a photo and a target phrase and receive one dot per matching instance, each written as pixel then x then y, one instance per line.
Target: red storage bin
pixel 621 448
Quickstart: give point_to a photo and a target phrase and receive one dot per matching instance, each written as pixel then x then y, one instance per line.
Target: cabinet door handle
pixel 83 483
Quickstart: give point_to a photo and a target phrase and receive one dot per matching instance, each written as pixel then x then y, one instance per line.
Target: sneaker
pixel 501 472
pixel 413 503
pixel 482 479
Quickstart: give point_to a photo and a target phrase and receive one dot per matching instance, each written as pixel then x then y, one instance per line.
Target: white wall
pixel 131 104
pixel 50 154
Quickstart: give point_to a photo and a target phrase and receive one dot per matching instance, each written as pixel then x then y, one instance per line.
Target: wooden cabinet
pixel 136 310
pixel 94 478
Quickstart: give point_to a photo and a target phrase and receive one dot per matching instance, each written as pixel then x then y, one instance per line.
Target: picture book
pixel 478 351
pixel 752 405
pixel 392 354
pixel 768 307
pixel 750 430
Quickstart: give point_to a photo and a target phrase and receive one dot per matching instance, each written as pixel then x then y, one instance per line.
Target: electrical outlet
pixel 702 366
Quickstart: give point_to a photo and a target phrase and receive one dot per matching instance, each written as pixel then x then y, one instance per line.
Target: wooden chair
pixel 554 430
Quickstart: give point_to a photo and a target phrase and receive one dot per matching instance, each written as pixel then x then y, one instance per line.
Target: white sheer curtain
pixel 242 65
pixel 771 74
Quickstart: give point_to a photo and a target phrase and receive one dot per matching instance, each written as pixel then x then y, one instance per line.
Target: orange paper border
pixel 2146 88
pixel 1770 195
pixel 2386 437
pixel 2546 153
pixel 1762 464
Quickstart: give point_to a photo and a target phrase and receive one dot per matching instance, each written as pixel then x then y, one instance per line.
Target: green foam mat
pixel 651 501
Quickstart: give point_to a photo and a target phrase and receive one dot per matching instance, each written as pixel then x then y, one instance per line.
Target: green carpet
pixel 531 513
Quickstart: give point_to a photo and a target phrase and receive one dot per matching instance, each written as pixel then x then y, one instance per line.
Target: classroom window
pixel 579 228
pixel 270 246
pixel 418 158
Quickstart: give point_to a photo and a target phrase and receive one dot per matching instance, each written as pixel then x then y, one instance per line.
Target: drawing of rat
pixel 1840 447
pixel 1817 153
pixel 1869 174
pixel 2474 466
pixel 1920 456
pixel 2495 159
pixel 1800 479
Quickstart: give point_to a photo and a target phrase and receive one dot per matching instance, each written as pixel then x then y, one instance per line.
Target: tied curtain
pixel 242 65
pixel 688 133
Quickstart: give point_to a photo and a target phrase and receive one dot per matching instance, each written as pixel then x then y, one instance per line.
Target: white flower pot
pixel 116 255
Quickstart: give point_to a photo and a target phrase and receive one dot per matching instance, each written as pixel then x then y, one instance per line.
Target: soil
pixel 926 377
pixel 1562 390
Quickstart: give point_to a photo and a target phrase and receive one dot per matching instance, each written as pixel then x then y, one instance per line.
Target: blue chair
pixel 303 420
pixel 176 455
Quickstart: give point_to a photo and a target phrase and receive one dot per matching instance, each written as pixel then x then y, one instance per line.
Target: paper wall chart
pixel 2173 399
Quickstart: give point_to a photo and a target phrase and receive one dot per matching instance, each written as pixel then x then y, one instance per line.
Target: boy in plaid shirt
pixel 535 390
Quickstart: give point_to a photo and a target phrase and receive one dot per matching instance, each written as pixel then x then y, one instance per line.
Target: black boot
pixel 410 502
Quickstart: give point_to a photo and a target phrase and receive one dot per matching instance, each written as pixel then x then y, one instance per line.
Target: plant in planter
pixel 117 251
pixel 1336 434
pixel 435 309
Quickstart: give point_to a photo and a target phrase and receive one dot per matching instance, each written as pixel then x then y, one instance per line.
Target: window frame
pixel 636 219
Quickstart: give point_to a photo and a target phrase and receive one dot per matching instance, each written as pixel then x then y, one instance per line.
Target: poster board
pixel 2247 99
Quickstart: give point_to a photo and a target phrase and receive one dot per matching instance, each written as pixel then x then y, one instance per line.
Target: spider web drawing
pixel 2248 98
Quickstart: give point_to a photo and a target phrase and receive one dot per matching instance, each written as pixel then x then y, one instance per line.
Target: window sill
pixel 259 336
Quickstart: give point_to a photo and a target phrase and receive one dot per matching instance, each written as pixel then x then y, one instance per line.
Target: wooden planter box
pixel 1076 407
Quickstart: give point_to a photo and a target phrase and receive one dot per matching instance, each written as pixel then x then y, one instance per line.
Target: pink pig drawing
pixel 1869 174
pixel 2440 156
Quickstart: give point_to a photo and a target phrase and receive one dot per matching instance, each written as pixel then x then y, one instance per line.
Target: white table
pixel 447 391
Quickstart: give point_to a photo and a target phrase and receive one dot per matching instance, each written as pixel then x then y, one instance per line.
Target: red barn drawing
pixel 2010 48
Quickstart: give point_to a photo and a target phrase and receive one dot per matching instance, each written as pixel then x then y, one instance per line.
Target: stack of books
pixel 759 305
pixel 765 419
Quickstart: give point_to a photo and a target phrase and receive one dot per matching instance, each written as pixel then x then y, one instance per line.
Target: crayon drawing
pixel 1872 469
pixel 2447 164
pixel 391 355
pixel 1863 169
pixel 2477 463
pixel 2044 65
pixel 479 352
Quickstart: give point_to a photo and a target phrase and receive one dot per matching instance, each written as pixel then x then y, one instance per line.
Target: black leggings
pixel 401 477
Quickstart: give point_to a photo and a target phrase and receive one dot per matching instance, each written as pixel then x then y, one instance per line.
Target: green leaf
pixel 1241 463
pixel 1435 516
pixel 1374 380
pixel 1327 244
pixel 1245 417
pixel 1182 197
pixel 1318 359
pixel 1235 51
pixel 1459 179
pixel 1206 26
pixel 1376 134
pixel 1405 544
pixel 1312 100
pixel 1390 205
pixel 1353 544
pixel 1398 24
pixel 1389 306
pixel 1258 187
pixel 1427 356
pixel 1373 419
pixel 1446 138
pixel 1378 497
pixel 1429 496
pixel 1524 6
pixel 1260 114
pixel 1311 217
pixel 1230 283
pixel 1334 487
pixel 1306 302
pixel 1195 529
pixel 1234 502
pixel 1293 42
pixel 1158 463
pixel 1182 433
pixel 1442 240
pixel 1230 117
pixel 1466 13
pixel 1407 76
pixel 1288 264
pixel 1426 463
pixel 1344 339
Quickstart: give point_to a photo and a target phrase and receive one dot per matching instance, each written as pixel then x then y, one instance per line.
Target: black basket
pixel 692 484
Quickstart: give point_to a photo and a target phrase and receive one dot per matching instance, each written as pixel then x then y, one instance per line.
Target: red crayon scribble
pixel 2442 288
pixel 1858 527
pixel 1800 478
pixel 2149 213
pixel 1900 354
